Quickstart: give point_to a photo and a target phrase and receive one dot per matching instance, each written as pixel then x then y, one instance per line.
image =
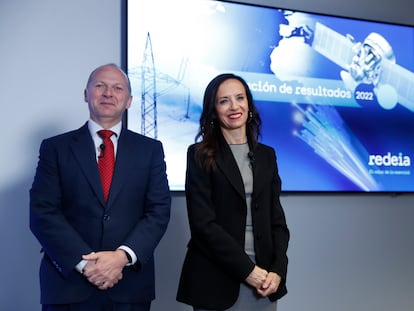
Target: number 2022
pixel 359 95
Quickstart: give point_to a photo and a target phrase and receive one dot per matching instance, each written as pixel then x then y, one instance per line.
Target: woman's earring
pixel 250 116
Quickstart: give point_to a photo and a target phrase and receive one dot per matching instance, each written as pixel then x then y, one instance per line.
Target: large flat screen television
pixel 336 95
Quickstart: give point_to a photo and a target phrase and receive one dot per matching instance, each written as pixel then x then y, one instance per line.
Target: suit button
pixel 106 217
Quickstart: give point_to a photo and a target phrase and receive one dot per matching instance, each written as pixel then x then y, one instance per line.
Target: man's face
pixel 108 96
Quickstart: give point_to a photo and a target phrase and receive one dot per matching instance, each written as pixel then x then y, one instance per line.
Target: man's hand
pixel 104 269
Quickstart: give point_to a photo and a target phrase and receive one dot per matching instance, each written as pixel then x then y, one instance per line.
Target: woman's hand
pixel 270 285
pixel 257 277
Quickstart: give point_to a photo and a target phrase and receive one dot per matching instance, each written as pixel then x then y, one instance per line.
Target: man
pixel 98 247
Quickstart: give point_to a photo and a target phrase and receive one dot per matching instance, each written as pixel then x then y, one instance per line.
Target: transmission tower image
pixel 154 84
pixel 148 92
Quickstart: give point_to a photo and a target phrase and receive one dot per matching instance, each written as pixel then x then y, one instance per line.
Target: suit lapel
pixel 228 165
pixel 83 149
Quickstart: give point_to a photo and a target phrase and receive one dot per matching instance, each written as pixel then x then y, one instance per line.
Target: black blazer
pixel 69 216
pixel 216 263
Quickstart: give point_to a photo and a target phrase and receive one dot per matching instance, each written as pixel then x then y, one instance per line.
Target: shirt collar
pixel 95 127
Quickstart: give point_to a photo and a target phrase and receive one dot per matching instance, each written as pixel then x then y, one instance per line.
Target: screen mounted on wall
pixel 336 95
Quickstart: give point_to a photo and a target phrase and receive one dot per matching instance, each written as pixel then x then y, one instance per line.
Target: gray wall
pixel 347 252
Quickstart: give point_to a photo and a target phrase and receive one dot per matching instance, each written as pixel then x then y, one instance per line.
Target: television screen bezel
pixel 124 66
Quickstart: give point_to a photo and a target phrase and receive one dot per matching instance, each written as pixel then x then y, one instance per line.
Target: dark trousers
pixel 99 302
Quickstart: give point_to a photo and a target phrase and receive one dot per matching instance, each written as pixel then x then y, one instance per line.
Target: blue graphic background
pixel 246 39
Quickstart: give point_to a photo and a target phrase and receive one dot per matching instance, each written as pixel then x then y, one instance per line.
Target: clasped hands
pixel 104 269
pixel 266 283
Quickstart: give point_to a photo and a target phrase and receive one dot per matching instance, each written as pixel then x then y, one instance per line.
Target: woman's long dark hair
pixel 209 134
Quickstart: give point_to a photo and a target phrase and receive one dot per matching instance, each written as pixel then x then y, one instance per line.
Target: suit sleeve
pixel 280 230
pixel 59 240
pixel 148 231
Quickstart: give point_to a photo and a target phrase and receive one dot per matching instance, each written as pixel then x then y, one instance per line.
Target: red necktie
pixel 106 161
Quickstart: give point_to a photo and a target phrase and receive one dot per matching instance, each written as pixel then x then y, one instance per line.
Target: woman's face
pixel 232 106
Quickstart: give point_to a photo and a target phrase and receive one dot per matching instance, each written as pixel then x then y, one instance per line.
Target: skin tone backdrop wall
pixel 347 252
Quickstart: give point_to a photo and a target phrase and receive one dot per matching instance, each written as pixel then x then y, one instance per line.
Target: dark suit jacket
pixel 216 263
pixel 69 216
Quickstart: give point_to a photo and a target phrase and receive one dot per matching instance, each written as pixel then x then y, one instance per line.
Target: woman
pixel 236 257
